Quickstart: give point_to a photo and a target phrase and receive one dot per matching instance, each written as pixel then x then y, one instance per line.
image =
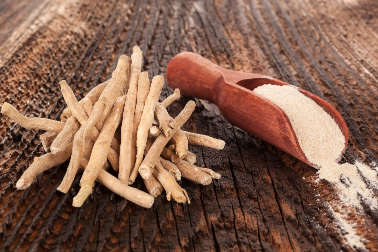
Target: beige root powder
pixel 322 142
pixel 313 126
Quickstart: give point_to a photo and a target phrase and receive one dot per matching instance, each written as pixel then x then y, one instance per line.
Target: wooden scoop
pixel 232 92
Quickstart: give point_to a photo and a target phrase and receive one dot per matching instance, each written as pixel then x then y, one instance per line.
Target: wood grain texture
pixel 266 200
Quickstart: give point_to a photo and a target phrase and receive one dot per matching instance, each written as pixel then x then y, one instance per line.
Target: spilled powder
pixel 347 229
pixel 322 142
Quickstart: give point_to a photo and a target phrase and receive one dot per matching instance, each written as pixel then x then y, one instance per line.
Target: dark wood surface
pixel 266 200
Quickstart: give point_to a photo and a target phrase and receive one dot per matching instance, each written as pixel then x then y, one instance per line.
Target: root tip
pixel 136 49
pixel 5 107
pixel 206 180
pixel 20 184
pixel 123 62
pixel 221 145
pixel 156 191
pixel 63 83
pixel 144 171
pixel 216 175
pixel 178 196
pixel 82 195
pixel 150 203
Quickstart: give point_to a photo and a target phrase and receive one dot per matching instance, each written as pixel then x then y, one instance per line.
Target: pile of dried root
pixel 123 109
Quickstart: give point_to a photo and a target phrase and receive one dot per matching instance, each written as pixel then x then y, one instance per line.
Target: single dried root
pixel 146 168
pixel 170 99
pixel 47 139
pixel 165 121
pixel 130 193
pixel 171 168
pixel 147 117
pixel 109 95
pixel 73 166
pixel 170 185
pixel 115 185
pixel 153 186
pixel 198 139
pixel 31 123
pixel 99 152
pixel 42 164
pixel 181 144
pixel 143 90
pixel 128 147
pixel 87 106
pixel 93 96
pixel 74 106
pixel 193 173
pixel 113 157
pixel 66 136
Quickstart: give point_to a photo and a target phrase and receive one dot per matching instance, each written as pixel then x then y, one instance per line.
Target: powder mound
pixel 318 134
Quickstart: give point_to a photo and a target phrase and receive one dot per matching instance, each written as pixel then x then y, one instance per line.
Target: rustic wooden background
pixel 266 200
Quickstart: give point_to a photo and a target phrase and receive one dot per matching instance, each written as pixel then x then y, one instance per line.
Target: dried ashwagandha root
pixel 72 125
pixel 162 115
pixel 127 151
pixel 47 139
pixel 89 138
pixel 164 120
pixel 193 173
pixel 114 88
pixel 93 96
pixel 115 185
pixel 99 152
pixel 66 136
pixel 181 144
pixel 191 157
pixel 212 173
pixel 147 118
pixel 171 168
pixel 113 156
pixel 31 123
pixel 74 165
pixel 130 193
pixel 153 186
pixel 80 148
pixel 169 154
pixel 154 131
pixel 79 113
pixel 170 185
pixel 41 164
pixel 170 99
pixel 198 139
pixel 146 168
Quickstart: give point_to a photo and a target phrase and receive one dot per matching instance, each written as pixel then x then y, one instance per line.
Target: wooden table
pixel 266 200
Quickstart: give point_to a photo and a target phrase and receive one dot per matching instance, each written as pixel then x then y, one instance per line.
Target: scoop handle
pixel 195 76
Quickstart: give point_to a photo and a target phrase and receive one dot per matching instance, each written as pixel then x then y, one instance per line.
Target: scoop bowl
pixel 231 91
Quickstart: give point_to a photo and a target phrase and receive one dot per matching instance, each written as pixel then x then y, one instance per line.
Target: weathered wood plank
pixel 266 200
